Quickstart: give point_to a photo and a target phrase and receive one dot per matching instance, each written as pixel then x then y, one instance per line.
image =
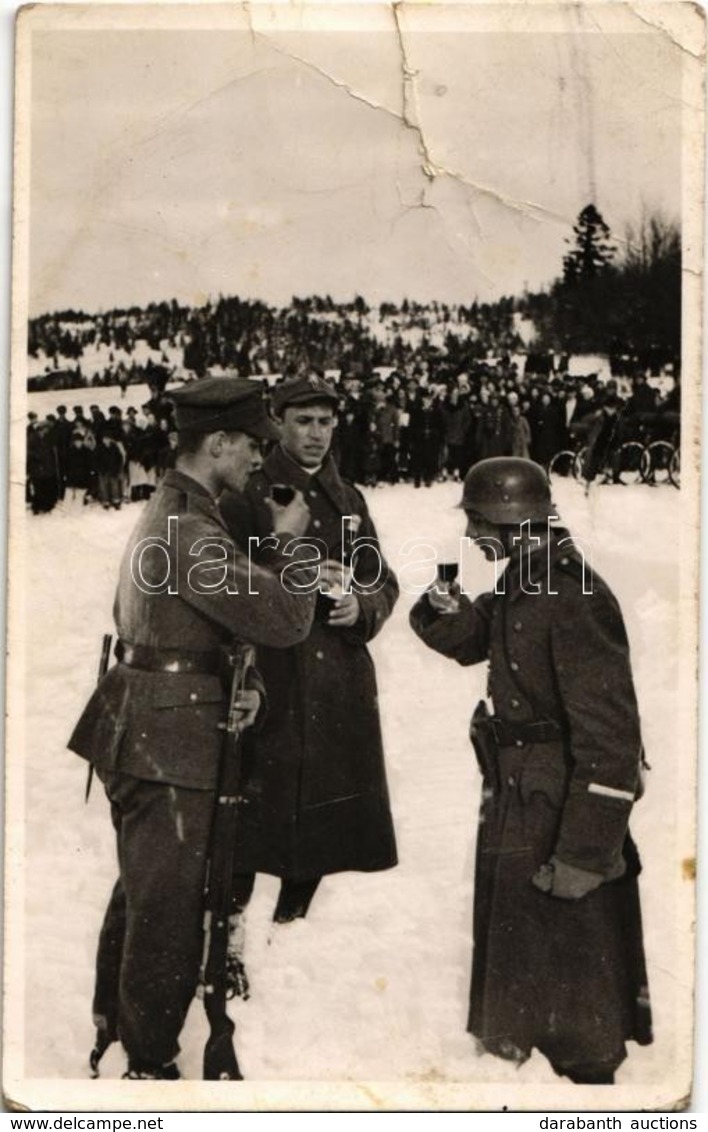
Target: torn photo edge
pixel 680 21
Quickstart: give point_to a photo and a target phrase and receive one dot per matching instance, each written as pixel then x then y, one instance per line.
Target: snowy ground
pixel 97 358
pixel 103 395
pixel 373 985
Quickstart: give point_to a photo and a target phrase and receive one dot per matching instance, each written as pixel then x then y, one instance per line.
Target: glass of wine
pixel 447 572
pixel 446 575
pixel 282 493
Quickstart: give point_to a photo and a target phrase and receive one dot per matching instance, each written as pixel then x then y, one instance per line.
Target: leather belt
pixel 210 662
pixel 510 734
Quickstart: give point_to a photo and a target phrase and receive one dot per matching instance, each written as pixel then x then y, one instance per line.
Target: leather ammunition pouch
pixel 484 743
pixel 488 734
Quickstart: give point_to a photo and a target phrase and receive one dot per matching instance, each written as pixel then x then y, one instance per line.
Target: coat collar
pixel 195 497
pixel 539 566
pixel 180 481
pixel 280 467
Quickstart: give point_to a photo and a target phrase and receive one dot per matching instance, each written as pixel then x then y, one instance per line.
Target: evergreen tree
pixel 593 250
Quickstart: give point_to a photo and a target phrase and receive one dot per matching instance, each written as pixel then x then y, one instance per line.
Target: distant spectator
pixel 42 467
pixel 349 444
pixel 425 439
pixel 456 418
pixel 386 422
pixel 520 433
pixel 110 462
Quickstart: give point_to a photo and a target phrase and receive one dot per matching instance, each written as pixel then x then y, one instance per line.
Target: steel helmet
pixel 508 490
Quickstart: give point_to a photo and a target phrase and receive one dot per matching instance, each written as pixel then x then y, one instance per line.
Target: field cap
pixel 233 404
pixel 303 391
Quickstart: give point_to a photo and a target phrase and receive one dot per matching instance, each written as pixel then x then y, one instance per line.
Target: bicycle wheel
pixel 628 468
pixel 579 463
pixel 675 468
pixel 656 462
pixel 562 463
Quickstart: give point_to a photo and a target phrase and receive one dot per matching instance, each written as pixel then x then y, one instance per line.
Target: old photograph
pixel 352 694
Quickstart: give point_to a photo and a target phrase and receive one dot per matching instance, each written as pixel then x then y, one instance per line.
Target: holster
pixel 483 739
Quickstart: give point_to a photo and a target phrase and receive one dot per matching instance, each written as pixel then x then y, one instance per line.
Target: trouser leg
pixel 241 890
pixel 109 958
pixel 294 899
pixel 163 834
pixel 431 464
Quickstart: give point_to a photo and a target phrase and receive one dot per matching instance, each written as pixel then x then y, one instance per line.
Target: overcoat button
pixel 317 523
pixel 313 494
pixel 193 696
pixel 319 655
pixel 564 561
pixel 511 780
pixel 514 666
pixel 519 742
pixel 515 703
pixel 517 626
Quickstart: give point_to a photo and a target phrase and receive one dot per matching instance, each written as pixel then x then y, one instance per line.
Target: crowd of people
pixel 401 427
pixel 104 458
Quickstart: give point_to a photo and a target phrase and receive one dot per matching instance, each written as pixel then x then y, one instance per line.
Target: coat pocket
pixel 545 775
pixel 542 790
pixel 174 731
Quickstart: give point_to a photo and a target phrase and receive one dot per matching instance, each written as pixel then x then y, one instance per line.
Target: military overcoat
pixel 319 781
pixel 566 977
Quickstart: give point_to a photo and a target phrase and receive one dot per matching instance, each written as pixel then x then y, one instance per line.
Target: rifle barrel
pixel 220 1061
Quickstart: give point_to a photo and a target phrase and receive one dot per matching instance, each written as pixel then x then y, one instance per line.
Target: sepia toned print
pixel 344 337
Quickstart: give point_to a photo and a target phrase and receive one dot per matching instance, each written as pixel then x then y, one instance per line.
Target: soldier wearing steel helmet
pixel 558 959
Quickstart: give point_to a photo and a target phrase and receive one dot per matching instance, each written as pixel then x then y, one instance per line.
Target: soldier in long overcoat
pixel 321 802
pixel 151 730
pixel 558 956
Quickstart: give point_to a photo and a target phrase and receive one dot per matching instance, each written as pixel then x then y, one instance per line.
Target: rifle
pixel 102 670
pixel 220 1062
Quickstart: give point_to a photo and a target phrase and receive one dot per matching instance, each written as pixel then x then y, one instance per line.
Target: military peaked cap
pixel 303 391
pixel 229 403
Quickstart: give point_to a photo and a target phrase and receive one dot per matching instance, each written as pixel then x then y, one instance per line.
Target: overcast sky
pixel 196 162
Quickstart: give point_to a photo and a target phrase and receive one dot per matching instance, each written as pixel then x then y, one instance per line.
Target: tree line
pixel 623 301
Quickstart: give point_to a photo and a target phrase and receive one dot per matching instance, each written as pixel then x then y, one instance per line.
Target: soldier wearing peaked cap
pixel 319 788
pixel 152 730
pixel 558 959
pixel 303 391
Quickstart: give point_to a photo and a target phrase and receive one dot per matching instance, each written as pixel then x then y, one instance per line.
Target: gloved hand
pixel 568 882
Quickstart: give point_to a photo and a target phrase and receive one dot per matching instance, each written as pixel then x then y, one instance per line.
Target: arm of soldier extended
pixel 463 636
pixel 271 605
pixel 593 673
